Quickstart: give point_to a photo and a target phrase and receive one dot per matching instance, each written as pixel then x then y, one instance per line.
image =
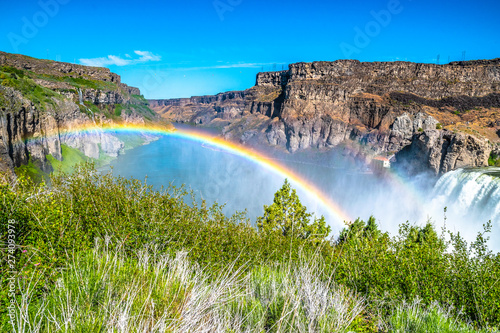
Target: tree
pixel 360 229
pixel 289 217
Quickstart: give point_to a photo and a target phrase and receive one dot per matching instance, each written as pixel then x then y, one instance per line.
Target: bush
pixel 494 159
pixel 118 110
pixel 419 263
pixel 288 217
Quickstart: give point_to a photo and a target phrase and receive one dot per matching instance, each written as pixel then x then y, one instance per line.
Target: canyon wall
pixel 429 117
pixel 42 100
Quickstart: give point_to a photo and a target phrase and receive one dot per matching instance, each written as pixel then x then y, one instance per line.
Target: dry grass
pixel 106 291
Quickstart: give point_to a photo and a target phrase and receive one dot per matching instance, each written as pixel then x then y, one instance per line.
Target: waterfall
pixel 80 98
pixel 470 192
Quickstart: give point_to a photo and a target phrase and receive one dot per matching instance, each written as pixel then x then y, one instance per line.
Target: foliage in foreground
pixel 104 290
pixel 416 318
pixel 63 220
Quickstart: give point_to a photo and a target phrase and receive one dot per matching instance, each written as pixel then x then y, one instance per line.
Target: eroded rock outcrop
pixel 442 151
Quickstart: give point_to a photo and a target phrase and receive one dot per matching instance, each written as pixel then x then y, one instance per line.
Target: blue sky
pixel 182 48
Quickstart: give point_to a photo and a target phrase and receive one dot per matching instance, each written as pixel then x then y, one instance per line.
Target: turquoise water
pixel 212 174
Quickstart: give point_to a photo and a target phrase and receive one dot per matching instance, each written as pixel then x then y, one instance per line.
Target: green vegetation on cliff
pixel 494 160
pixel 168 263
pixel 33 87
pixel 18 80
pixel 70 158
pixel 79 82
pixel 32 171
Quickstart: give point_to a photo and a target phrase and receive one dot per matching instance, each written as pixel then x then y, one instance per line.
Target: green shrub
pixel 419 263
pixel 14 71
pixel 288 217
pixel 118 110
pixel 439 126
pixel 494 159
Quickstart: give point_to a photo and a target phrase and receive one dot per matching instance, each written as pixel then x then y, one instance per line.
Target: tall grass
pixel 105 290
pixel 416 318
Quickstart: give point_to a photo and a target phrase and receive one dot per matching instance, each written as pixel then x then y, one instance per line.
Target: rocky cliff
pixel 431 117
pixel 41 99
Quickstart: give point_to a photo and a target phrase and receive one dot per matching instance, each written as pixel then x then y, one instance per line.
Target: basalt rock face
pixel 28 133
pixel 30 130
pixel 380 108
pixel 23 120
pixel 203 109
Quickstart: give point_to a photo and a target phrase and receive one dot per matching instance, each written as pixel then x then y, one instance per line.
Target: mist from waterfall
pixel 471 196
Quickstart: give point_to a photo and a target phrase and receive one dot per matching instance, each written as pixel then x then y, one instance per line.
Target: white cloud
pixel 103 62
pixel 147 56
pixel 144 56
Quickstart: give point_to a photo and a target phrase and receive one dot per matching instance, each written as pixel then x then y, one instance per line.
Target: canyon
pixel 424 117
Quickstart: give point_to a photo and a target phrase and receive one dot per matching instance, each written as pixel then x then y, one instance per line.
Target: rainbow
pixel 332 208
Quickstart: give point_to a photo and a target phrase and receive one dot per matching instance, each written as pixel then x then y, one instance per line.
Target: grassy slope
pixel 32 171
pixel 22 82
pixel 71 157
